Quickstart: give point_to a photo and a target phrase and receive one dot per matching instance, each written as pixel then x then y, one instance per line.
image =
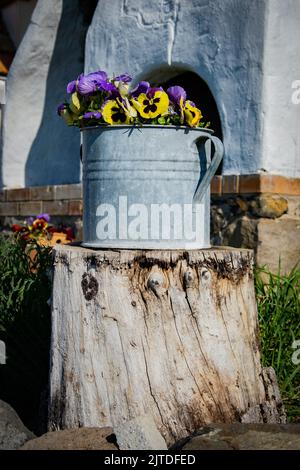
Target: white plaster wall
pixel 2 103
pixel 38 148
pixel 281 117
pixel 27 95
pixel 221 40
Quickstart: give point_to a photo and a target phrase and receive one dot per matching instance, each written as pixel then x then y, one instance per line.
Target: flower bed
pixel 39 230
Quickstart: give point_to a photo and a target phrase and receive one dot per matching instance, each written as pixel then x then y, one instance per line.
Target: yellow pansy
pixel 128 109
pixel 150 108
pixel 112 113
pixel 192 114
pixel 181 106
pixel 75 103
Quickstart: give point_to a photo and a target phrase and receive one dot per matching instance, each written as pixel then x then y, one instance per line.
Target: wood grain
pixel 170 333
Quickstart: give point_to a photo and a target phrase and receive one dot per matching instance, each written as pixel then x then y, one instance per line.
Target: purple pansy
pixel 125 77
pixel 71 87
pixel 107 86
pixel 141 87
pixel 60 108
pixel 88 84
pixel 30 221
pixel 44 216
pixel 175 94
pixel 92 115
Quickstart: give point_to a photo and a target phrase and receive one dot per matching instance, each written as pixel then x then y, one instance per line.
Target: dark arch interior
pixel 198 91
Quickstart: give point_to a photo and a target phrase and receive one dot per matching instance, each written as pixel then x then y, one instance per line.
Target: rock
pixel 239 436
pixel 279 240
pixel 270 206
pixel 294 206
pixel 140 433
pixel 74 439
pixel 242 203
pixel 242 232
pixel 13 433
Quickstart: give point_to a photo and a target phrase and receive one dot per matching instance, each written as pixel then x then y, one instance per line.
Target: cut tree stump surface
pixel 170 333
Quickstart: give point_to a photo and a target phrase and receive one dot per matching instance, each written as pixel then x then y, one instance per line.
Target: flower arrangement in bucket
pixel 146 163
pixel 96 100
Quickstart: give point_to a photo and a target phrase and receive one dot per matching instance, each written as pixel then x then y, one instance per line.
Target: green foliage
pixel 279 317
pixel 24 325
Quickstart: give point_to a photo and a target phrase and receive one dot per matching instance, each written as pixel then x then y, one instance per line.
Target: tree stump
pixel 171 333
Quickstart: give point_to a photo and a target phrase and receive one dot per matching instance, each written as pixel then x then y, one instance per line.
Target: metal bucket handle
pixel 211 170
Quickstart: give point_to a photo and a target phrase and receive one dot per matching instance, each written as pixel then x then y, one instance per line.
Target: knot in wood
pixel 155 281
pixel 205 274
pixel 189 278
pixel 90 286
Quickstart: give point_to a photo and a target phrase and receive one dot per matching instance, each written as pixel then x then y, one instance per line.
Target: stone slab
pixel 13 433
pixel 140 433
pixel 74 439
pixel 239 436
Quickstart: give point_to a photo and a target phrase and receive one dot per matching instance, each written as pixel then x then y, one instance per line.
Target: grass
pixel 25 327
pixel 279 318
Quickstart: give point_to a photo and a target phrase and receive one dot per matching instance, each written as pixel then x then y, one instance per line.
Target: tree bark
pixel 171 333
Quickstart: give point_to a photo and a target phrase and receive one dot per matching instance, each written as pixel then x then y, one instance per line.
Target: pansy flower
pixel 40 225
pixel 112 113
pixel 90 83
pixel 17 228
pixel 71 87
pixel 141 87
pixel 127 107
pixel 64 112
pixel 151 107
pixel 192 114
pixel 75 105
pixel 92 115
pixel 177 96
pixel 125 77
pixel 108 87
pixel 44 216
pixel 151 91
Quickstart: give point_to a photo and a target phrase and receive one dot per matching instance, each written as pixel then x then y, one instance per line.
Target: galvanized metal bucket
pixel 148 187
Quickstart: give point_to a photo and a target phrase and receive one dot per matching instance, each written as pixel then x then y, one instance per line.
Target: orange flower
pixel 40 225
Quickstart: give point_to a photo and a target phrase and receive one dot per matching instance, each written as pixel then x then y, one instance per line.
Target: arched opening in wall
pixel 197 90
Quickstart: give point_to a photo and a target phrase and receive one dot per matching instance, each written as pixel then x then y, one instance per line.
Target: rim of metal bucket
pixel 142 126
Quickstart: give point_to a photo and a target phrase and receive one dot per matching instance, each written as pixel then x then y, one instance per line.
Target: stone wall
pixel 261 212
pixel 258 212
